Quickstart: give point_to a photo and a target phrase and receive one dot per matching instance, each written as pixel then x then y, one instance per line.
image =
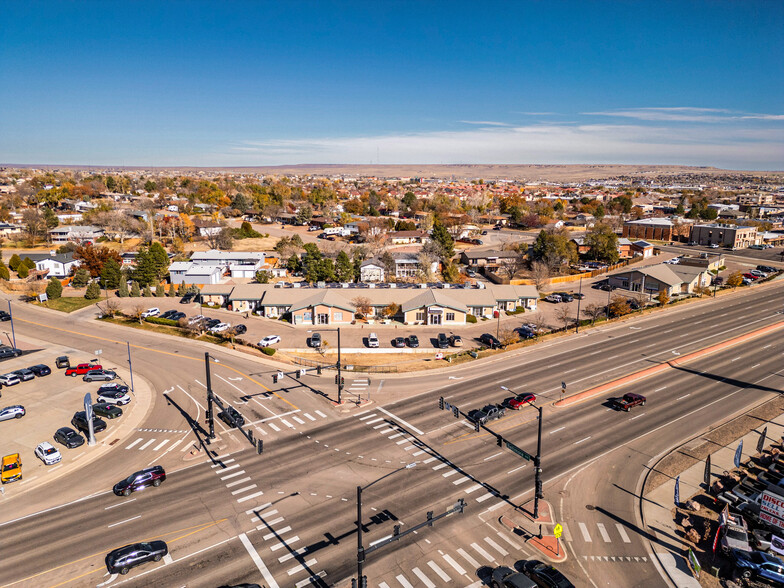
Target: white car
pixel 269 340
pixel 372 340
pixel 151 312
pixel 12 412
pixel 9 379
pixel 714 246
pixel 114 397
pixel 47 453
pixel 220 327
pixel 196 319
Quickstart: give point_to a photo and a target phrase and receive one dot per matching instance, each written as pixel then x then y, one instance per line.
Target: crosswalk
pixel 602 532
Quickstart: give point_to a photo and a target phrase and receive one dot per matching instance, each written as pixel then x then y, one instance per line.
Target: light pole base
pixel 545 512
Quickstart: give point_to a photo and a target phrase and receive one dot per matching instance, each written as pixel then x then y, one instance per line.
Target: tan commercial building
pixel 732 236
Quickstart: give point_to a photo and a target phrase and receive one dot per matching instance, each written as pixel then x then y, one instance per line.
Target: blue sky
pixel 269 83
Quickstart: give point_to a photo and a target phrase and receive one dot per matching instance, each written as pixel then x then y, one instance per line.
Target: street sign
pixel 515 449
pixel 557 531
pixel 563 385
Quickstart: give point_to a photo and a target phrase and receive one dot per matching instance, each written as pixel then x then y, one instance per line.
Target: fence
pixel 577 277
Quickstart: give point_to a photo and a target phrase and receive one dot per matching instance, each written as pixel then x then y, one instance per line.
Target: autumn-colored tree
pixel 94 258
pixel 392 309
pixel 735 279
pixel 663 297
pixel 363 305
pixel 619 306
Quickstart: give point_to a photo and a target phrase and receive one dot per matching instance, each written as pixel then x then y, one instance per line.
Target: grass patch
pixel 68 303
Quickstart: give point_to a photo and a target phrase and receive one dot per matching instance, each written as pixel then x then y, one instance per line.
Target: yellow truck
pixel 12 468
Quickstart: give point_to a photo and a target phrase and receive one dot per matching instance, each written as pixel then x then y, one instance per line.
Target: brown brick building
pixel 657 229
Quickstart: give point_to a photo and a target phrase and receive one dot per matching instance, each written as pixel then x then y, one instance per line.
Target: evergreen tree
pixel 54 289
pixel 147 292
pixel 441 236
pixel 22 271
pixel 145 272
pixel 160 261
pixel 122 287
pixel 29 263
pixel 262 277
pixel 80 278
pixel 4 273
pixel 14 262
pixel 172 291
pixel 111 275
pixel 344 269
pixel 135 290
pixel 181 290
pixel 93 291
pixel 160 290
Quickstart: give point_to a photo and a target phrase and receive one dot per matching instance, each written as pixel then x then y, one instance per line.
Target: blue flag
pixel 677 491
pixel 738 453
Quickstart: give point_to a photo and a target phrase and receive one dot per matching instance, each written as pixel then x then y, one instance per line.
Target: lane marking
pixel 622 533
pixel 125 521
pixel 254 555
pixel 451 561
pixel 139 440
pixel 424 579
pixel 637 416
pixel 122 503
pixel 250 496
pixel 584 531
pixel 441 574
pixel 472 562
pixel 401 421
pixel 238 482
pixel 497 547
pixel 556 430
pixel 580 441
pixel 603 532
pixel 684 396
pixel 241 490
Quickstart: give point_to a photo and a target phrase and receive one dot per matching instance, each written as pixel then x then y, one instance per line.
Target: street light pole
pixel 130 365
pixel 13 333
pixel 538 465
pixel 210 419
pixel 340 379
pixel 579 299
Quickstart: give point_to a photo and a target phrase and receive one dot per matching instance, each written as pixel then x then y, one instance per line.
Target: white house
pixel 58 265
pixel 203 274
pixel 371 271
pixel 76 234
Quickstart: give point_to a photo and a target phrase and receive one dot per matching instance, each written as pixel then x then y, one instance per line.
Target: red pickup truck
pixel 82 369
pixel 626 401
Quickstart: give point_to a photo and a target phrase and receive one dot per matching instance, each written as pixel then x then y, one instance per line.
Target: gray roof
pixel 324 297
pixel 432 297
pixel 217 289
pixel 59 257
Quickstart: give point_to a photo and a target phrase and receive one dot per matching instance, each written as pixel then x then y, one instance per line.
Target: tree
pixel 409 201
pixel 263 277
pixel 80 278
pixel 172 291
pixel 137 311
pixel 222 239
pixel 110 307
pixel 304 214
pixel 540 273
pixel 387 261
pixel 34 224
pixel 111 274
pixel 701 290
pixel 54 289
pixel 14 262
pixel 511 265
pixel 22 271
pixel 160 260
pixel 440 235
pixel 603 243
pixel 344 269
pixel 94 258
pixel 147 293
pixel 160 290
pixel 362 305
pixel 50 218
pixel 93 291
pixel 594 311
pixel 4 273
pixel 508 336
pixel 563 314
pixel 135 290
pixel 663 297
pixel 392 309
pixel 451 273
pixel 735 279
pixel 122 287
pixel 29 263
pixel 553 247
pixel 293 264
pixel 619 306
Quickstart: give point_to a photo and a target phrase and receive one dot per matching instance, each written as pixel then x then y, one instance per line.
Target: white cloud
pixel 684 114
pixel 484 123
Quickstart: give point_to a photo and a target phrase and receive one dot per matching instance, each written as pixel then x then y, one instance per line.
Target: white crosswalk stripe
pixel 238 482
pixel 249 496
pixel 622 533
pixel 441 574
pixel 584 531
pixel 233 475
pixel 321 414
pixel 132 445
pixel 146 445
pixel 310 581
pixel 288 424
pixel 273 426
pixel 482 552
pixel 603 532
pixel 423 578
pixel 299 420
pixel 309 417
pixel 451 561
pixel 301 567
pixel 161 444
pixel 497 547
pixel 403 582
pixel 472 562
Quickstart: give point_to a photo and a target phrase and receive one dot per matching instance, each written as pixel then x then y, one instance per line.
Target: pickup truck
pixel 627 401
pixel 735 535
pixel 81 369
pixel 488 413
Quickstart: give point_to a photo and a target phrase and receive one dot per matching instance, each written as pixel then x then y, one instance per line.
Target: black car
pixel 565 296
pixel 504 577
pixel 187 299
pixel 4 316
pixel 123 559
pixel 168 314
pixel 412 341
pixel 79 421
pixel 140 480
pixel 398 342
pixel 545 575
pixel 104 388
pixel 240 329
pixel 443 341
pixel 490 341
pixel 68 437
pixel 177 316
pixel 9 352
pixel 110 411
pixel 40 370
pixel 231 417
pixel 210 322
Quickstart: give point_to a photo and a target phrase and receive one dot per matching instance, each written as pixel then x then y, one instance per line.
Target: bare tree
pixel 594 311
pixel 222 239
pixel 363 305
pixel 137 311
pixel 563 314
pixel 540 273
pixel 34 224
pixel 508 336
pixel 540 322
pixel 511 265
pixel 110 307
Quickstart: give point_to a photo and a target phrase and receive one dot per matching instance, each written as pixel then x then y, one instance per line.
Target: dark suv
pixel 443 341
pixel 79 421
pixel 140 480
pixel 123 559
pixel 231 417
pixel 40 370
pixel 488 340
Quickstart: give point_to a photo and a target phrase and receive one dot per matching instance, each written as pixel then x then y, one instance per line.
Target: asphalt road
pixel 291 512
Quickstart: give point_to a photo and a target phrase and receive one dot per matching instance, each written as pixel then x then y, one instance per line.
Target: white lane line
pixel 308 416
pixel 622 533
pixel 277 532
pixel 441 574
pixel 238 482
pixel 139 440
pixel 473 488
pixel 273 426
pixel 401 421
pixel 584 531
pixel 146 445
pixel 755 366
pixel 556 430
pixel 161 444
pixel 482 552
pixel 233 475
pixel 660 389
pixel 516 469
pixel 288 542
pixel 403 581
pixel 580 441
pixel 254 555
pixel 125 521
pixel 288 424
pixel 241 490
pixel 603 532
pixel 684 396
pixel 424 579
pixel 249 496
pixel 471 561
pixel 301 567
pixel 451 561
pixel 493 456
pixel 120 504
pixel 321 414
pixel 637 416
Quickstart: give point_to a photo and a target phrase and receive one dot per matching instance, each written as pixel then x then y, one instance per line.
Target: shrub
pixel 147 292
pixel 80 278
pixel 93 291
pixel 470 318
pixel 54 289
pixel 29 263
pixel 161 321
pixel 14 262
pixel 135 290
pixel 4 273
pixel 22 271
pixel 172 291
pixel 268 351
pixel 160 291
pixel 122 288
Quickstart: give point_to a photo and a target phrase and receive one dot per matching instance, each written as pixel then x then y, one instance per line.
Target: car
pixel 756 247
pixel 62 362
pixel 123 559
pixel 504 577
pixel 565 296
pixel 372 340
pixel 114 397
pixel 154 311
pixel 484 232
pixel 545 575
pixel 231 417
pixel 104 409
pixel 627 401
pixel 68 437
pixel 168 314
pixel 114 386
pixel 4 316
pixel 240 329
pixel 210 322
pixel 25 375
pixel 220 327
pixel 517 402
pixel 735 535
pixel 187 299
pixel 713 246
pixel 40 370
pixel 456 341
pixel 16 411
pixel 315 340
pixel 152 476
pixel 767 268
pixel 554 298
pixel 398 342
pixel 486 414
pixel 177 316
pixel 442 342
pixel 750 276
pixel 312 228
pixel 489 341
pixel 11 470
pixel 412 341
pixel 47 453
pixel 9 352
pixel 577 295
pixel 269 340
pixel 99 376
pixel 10 379
pixel 759 566
pixel 758 273
pixel 497 228
pixel 196 319
pixel 82 368
pixel 79 421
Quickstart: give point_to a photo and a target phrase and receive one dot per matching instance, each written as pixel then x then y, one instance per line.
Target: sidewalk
pixel 658 507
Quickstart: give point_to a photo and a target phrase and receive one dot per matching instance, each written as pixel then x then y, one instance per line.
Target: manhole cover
pixel 590 507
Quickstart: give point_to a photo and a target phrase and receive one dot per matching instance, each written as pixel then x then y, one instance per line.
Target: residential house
pixel 207 228
pixel 203 274
pixel 406 237
pixel 642 248
pixel 7 229
pixel 58 265
pixel 625 248
pixel 216 294
pixel 177 270
pixel 371 270
pixel 76 234
pixel 227 258
pixel 492 257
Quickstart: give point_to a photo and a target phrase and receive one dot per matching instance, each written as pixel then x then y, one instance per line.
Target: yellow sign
pixel 557 531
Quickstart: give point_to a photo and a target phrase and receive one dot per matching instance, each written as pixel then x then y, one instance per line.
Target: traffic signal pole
pixel 538 467
pixel 210 410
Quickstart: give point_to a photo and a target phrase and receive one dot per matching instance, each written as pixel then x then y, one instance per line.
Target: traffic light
pixel 441 402
pixel 297 374
pixel 318 370
pixel 363 582
pixel 500 440
pixel 476 426
pixel 456 411
pixel 342 381
pixel 274 378
pixel 396 530
pixel 337 379
pixel 259 446
pixel 539 491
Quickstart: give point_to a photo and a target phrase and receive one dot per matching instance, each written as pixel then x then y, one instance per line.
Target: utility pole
pixel 210 419
pixel 538 467
pixel 13 334
pixel 579 297
pixel 130 365
pixel 360 548
pixel 340 379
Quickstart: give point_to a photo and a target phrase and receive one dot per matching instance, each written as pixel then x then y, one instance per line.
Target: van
pixel 372 340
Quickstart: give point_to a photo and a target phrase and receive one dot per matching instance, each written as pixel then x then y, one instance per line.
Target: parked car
pixel 545 575
pixel 4 316
pixel 240 329
pixel 735 535
pixel 79 421
pixel 25 374
pixel 62 362
pixel 442 342
pixel 155 311
pixel 196 319
pixel 109 411
pixel 372 340
pixel 99 376
pixel 112 387
pixel 554 298
pixel 11 469
pixel 40 370
pixel 315 340
pixel 68 437
pixel 412 341
pixel 517 402
pixel 565 296
pixel 470 273
pixel 16 411
pixel 627 401
pixel 168 314
pixel 713 246
pixel 398 342
pixel 152 476
pixel 10 379
pixel 767 268
pixel 758 273
pixel 220 327
pixel 116 396
pixel 759 566
pixel 47 453
pixel 269 340
pixel 82 368
pixel 504 577
pixel 456 341
pixel 488 340
pixel 750 276
pixel 9 352
pixel 486 414
pixel 123 559
pixel 231 417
